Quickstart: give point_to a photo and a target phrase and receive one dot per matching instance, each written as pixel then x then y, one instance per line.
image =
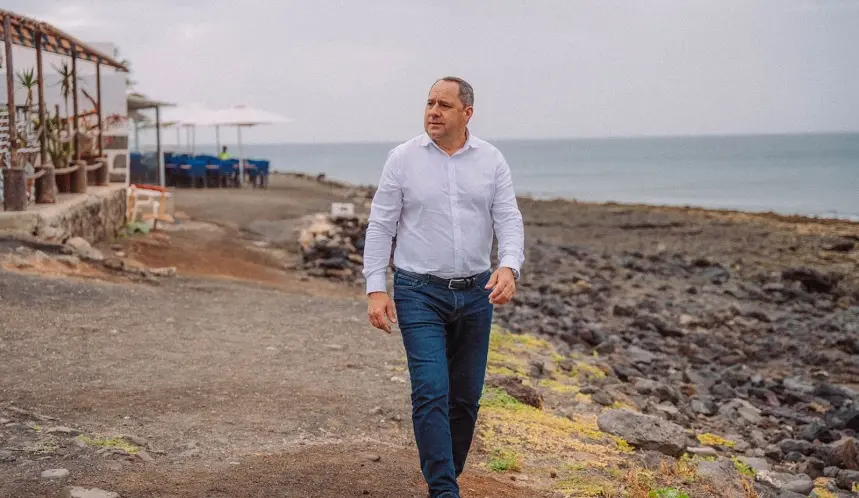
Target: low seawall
pixel 97 215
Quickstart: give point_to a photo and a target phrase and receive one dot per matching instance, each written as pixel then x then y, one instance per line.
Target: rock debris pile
pixel 333 246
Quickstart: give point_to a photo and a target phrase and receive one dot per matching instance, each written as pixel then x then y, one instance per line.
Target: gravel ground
pixel 240 377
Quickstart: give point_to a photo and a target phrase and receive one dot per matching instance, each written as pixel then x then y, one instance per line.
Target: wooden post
pixel 46 186
pixel 75 101
pixel 65 183
pixel 14 189
pixel 14 178
pixel 43 118
pixel 101 176
pixel 79 177
pixel 10 89
pixel 98 103
pixel 161 180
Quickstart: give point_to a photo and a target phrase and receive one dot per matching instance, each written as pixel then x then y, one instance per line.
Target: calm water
pixel 816 175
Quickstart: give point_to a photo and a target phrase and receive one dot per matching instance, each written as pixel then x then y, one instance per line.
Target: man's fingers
pixel 493 279
pixel 499 289
pixel 392 312
pixel 503 292
pixel 378 320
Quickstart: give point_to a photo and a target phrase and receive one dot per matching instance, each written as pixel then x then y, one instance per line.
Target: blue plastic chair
pixel 262 167
pixel 196 169
pixel 254 170
pixel 228 171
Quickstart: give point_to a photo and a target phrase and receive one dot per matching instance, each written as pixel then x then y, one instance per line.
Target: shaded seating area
pixel 198 171
pixel 190 169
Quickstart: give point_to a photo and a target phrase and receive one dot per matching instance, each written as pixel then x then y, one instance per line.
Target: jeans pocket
pixel 404 281
pixel 480 283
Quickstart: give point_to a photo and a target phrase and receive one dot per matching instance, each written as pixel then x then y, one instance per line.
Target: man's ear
pixel 469 111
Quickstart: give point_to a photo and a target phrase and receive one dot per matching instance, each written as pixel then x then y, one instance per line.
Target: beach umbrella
pixel 188 116
pixel 242 116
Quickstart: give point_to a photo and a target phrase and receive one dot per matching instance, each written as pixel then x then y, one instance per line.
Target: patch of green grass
pixel 587 371
pixel 622 445
pixel 619 405
pixel 495 397
pixel 711 440
pixel 581 486
pixel 824 493
pixel 667 493
pixel 558 387
pixel 113 442
pixel 504 460
pixel 743 468
pixel 697 458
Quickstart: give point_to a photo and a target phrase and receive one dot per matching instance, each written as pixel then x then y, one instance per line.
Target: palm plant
pixel 129 83
pixel 66 82
pixel 27 80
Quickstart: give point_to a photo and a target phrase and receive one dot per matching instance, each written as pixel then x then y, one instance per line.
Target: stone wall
pixel 95 216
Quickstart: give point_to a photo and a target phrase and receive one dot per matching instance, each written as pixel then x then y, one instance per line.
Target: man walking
pixel 442 195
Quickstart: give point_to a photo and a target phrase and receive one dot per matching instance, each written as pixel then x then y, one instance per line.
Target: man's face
pixel 445 117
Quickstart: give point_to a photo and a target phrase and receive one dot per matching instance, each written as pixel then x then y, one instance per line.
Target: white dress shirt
pixel 443 211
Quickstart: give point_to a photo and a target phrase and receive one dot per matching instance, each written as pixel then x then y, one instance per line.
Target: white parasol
pixel 189 116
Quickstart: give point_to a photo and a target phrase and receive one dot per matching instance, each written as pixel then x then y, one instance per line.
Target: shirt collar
pixel 470 142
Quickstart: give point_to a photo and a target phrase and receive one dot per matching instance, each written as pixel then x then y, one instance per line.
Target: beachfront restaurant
pixel 185 166
pixel 54 123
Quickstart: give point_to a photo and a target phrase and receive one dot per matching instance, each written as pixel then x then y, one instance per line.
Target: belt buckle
pixel 451 282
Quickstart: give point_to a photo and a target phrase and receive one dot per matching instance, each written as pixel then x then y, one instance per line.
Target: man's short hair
pixel 466 92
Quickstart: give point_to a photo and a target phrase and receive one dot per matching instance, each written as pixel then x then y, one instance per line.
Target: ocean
pixel 810 175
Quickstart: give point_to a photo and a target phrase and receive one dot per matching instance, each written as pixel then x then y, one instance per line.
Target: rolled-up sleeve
pixel 507 220
pixel 382 227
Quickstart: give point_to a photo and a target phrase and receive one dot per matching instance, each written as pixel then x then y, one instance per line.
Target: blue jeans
pixel 446 337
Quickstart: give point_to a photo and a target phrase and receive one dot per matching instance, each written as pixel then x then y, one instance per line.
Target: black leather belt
pixel 451 283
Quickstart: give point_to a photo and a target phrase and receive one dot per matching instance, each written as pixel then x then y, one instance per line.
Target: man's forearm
pixel 377 256
pixel 382 227
pixel 511 241
pixel 507 220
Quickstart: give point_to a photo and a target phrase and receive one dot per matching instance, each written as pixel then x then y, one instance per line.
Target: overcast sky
pixel 360 70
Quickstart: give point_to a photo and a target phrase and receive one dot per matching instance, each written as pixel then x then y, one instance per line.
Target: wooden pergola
pixel 42 37
pixel 136 103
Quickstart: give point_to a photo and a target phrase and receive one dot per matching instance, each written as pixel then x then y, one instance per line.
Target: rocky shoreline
pixel 762 363
pixel 742 327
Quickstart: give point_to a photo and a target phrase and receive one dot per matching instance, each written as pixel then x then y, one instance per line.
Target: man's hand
pixel 380 309
pixel 503 285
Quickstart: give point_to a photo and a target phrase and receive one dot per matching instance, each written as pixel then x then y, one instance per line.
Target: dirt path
pixel 239 377
pixel 278 394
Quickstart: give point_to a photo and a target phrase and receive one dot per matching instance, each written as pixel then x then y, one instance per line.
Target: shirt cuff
pixel 512 263
pixel 377 283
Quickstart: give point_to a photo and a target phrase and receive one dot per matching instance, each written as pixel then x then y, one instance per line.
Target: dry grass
pixel 568 455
